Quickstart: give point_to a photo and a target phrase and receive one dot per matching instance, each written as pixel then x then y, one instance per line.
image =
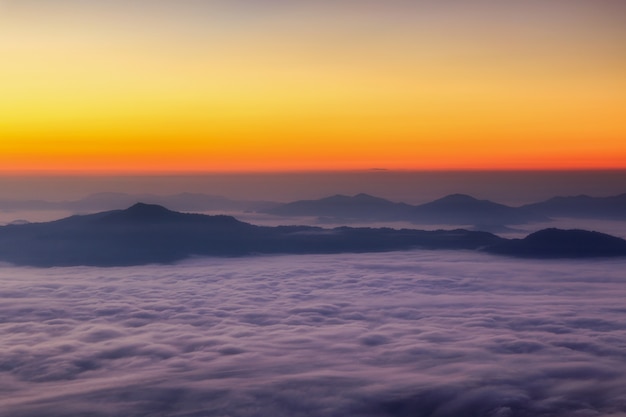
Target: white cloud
pixel 396 334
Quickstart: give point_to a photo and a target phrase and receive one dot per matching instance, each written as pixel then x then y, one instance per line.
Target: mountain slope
pixel 141 234
pixel 464 209
pixel 583 206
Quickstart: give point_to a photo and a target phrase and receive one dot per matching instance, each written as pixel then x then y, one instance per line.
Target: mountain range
pixel 146 233
pixel 455 209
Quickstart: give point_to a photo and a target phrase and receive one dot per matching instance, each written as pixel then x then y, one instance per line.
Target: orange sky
pixel 228 86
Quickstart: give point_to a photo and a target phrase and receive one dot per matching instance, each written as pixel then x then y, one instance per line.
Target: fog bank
pixel 397 334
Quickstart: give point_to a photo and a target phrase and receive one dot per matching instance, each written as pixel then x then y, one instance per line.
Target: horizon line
pixel 167 173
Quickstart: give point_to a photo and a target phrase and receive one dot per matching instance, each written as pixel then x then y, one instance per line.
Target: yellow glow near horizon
pixel 81 98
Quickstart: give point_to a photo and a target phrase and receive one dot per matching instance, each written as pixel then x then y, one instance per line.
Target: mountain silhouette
pixel 583 206
pixel 558 243
pixel 149 213
pixel 360 207
pixel 455 209
pixel 141 234
pixel 146 233
pixel 467 210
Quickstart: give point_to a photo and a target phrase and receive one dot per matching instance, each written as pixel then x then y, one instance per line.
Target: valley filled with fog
pixel 300 208
pixel 412 333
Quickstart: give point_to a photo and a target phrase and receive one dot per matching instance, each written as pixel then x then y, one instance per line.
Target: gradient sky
pixel 273 85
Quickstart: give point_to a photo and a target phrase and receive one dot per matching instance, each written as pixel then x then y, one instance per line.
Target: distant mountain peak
pixel 143 212
pixel 465 209
pixel 363 197
pixel 458 198
pixel 148 209
pixel 19 222
pixel 361 206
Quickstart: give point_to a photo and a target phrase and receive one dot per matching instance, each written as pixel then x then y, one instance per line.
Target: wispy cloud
pixel 400 334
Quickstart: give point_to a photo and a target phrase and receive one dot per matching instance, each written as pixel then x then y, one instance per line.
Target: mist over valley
pixel 410 333
pixel 265 329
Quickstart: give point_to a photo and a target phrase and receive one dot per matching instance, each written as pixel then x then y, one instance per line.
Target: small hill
pixel 557 243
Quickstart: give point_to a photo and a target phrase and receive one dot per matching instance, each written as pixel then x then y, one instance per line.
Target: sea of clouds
pixel 417 333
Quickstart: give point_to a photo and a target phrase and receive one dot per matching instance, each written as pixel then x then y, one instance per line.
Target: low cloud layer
pixel 439 334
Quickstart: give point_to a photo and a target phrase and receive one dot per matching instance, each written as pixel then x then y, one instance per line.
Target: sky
pixel 157 86
pixel 419 334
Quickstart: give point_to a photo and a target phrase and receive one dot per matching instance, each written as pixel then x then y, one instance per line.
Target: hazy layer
pixel 398 334
pixel 410 187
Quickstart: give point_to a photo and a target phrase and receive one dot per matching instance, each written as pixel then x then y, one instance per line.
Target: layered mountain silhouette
pixel 146 233
pixel 456 209
pixel 582 206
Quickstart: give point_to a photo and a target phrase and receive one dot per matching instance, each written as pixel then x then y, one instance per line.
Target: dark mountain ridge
pixel 455 209
pixel 142 213
pixel 146 233
pixel 557 243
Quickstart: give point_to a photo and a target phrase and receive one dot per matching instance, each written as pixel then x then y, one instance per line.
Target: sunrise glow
pixel 219 87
